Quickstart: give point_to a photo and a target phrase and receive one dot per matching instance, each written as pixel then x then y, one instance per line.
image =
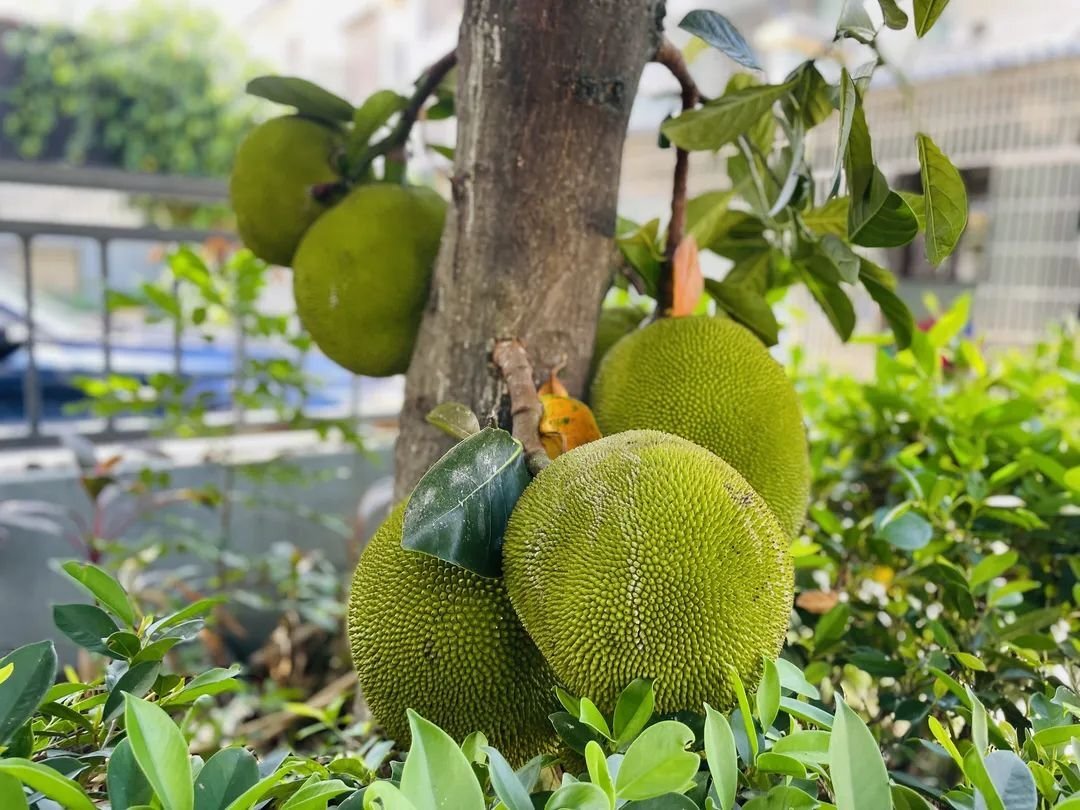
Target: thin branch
pixel 399 135
pixel 671 57
pixel 526 411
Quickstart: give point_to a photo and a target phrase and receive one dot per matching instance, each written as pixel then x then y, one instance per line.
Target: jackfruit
pixel 276 167
pixel 645 555
pixel 713 382
pixel 429 636
pixel 361 275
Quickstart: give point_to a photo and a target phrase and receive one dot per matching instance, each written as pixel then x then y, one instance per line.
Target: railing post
pixel 31 380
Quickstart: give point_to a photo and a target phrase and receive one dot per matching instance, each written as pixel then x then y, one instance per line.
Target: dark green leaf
pixel 573 732
pixel 904 798
pixel 808 101
pixel 458 511
pixel 86 625
pixel 926 14
pixel 103 587
pixel 879 283
pixel 945 200
pixel 454 419
pixel 833 301
pixel 307 97
pixel 746 306
pixel 123 644
pixel 832 625
pixel 892 225
pixel 718 31
pixel 858 772
pixel 33 670
pixel 895 17
pixel 842 257
pixel 128 786
pixel 136 681
pixel 723 120
pixel 224 777
pixel 640 248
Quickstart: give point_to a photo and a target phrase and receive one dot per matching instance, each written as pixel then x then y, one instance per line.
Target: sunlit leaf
pixel 946 200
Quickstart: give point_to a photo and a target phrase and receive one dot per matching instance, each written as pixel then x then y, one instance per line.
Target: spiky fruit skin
pixel 275 169
pixel 361 275
pixel 644 555
pixel 713 382
pixel 429 636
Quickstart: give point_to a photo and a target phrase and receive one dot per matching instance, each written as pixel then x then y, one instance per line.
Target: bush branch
pixel 671 57
pixel 427 83
pixel 526 411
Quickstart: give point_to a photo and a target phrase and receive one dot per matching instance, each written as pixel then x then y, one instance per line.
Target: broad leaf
pixel 315 794
pixel 436 772
pixel 65 792
pixel 1012 780
pixel 136 681
pixel 505 782
pixel 843 258
pixel 599 774
pixel 909 532
pixel 86 625
pixel 454 419
pixel 161 751
pixel 768 695
pixel 855 23
pixel 926 14
pixel 904 798
pixel 723 120
pixel 718 31
pixel 849 100
pixel 128 785
pixel 829 218
pixel 859 777
pixel 975 771
pixel 892 225
pixel 657 762
pixel 707 216
pixel 880 284
pixel 307 97
pixel 12 795
pixel 225 777
pixel 945 200
pixel 458 511
pixel 578 796
pixel 33 670
pixel 102 586
pixel 894 16
pixel 772 762
pixel 373 113
pixel 833 301
pixel 722 757
pixel 746 306
pixel 211 682
pixel 633 710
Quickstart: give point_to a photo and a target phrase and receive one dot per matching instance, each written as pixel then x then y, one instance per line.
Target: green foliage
pixel 151 90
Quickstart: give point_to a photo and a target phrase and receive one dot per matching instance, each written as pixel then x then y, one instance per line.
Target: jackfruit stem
pixel 526 411
pixel 671 57
pixel 397 138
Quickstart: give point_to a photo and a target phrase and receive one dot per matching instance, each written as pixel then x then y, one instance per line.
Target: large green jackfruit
pixel 644 555
pixel 361 275
pixel 429 636
pixel 713 382
pixel 276 167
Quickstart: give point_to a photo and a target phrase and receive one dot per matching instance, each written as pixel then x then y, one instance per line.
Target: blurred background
pixel 137 349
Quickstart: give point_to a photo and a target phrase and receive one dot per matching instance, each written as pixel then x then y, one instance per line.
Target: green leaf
pixel 578 796
pixel 224 778
pixel 975 770
pixel 909 532
pixel 849 102
pixel 707 216
pixel 723 120
pixel 657 762
pixel 1012 780
pixel 505 782
pixel 746 306
pixel 744 710
pixel 834 302
pixel 879 283
pixel 945 198
pixel 772 762
pixel 315 794
pixel 573 732
pixel 1056 735
pixel 213 681
pixel 137 681
pixel 843 258
pixel 806 712
pixel 991 567
pixel 593 717
pixel 569 702
pixel 722 757
pixel 458 511
pixel 892 225
pixel 599 774
pixel 86 625
pixel 926 14
pixel 895 17
pixel 454 419
pixel 830 218
pixel 809 747
pixel 436 772
pixel 793 679
pixel 717 30
pixel 633 710
pixel 250 797
pixel 123 645
pixel 904 798
pixel 33 670
pixel 65 792
pixel 809 101
pixel 199 607
pixel 668 801
pixel 12 795
pixel 307 97
pixel 374 112
pixel 768 695
pixel 858 772
pixel 855 23
pixel 161 751
pixel 941 734
pixel 128 786
pixel 103 587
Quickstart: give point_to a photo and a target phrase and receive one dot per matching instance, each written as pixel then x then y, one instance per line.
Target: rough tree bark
pixel 544 95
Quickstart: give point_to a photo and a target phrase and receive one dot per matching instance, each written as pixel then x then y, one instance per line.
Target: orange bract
pixel 567 423
pixel 688 283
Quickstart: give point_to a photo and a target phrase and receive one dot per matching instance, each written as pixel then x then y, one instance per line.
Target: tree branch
pixel 526 410
pixel 399 135
pixel 671 57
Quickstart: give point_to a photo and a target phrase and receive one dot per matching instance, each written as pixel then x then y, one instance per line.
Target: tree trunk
pixel 544 95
